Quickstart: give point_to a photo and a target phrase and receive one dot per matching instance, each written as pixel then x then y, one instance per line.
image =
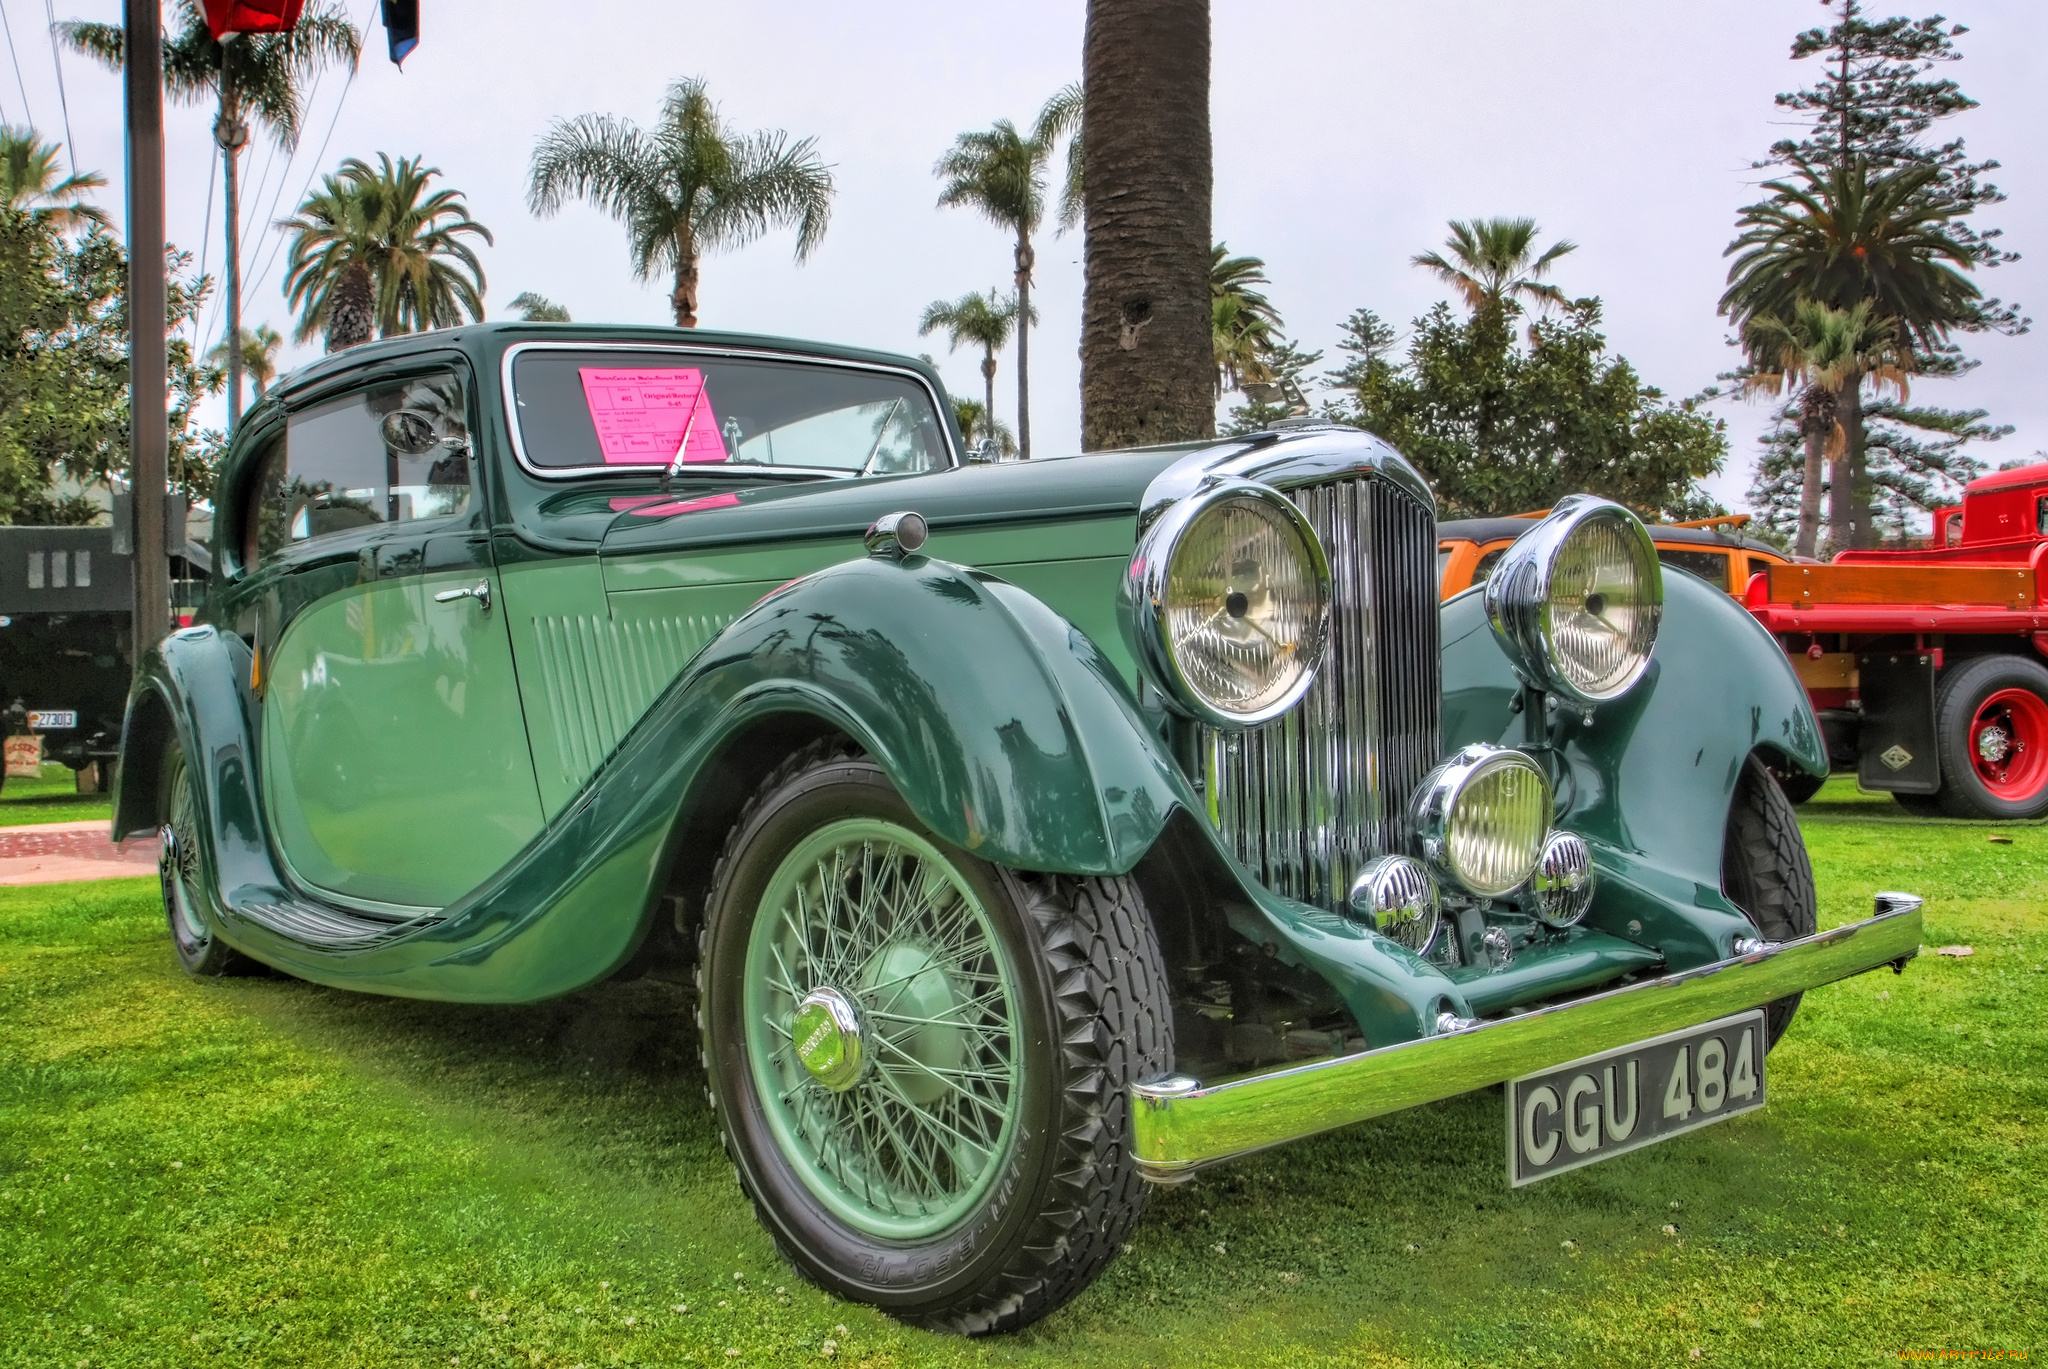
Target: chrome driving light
pixel 1227 604
pixel 1481 818
pixel 1576 601
pixel 1561 890
pixel 1396 898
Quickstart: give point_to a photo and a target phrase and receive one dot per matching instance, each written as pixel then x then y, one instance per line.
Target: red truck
pixel 1925 666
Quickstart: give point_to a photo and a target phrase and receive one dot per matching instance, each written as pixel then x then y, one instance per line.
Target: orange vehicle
pixel 1712 548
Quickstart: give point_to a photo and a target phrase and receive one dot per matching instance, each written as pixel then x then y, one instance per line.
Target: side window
pixel 1757 566
pixel 1711 566
pixel 2040 515
pixel 390 454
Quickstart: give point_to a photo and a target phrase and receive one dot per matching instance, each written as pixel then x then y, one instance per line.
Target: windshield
pixel 605 409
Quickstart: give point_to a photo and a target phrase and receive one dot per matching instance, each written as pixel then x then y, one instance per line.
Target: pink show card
pixel 642 415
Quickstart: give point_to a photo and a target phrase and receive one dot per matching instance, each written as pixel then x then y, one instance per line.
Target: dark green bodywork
pixel 329 705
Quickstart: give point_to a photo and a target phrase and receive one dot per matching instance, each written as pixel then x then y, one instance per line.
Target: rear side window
pixel 1711 566
pixel 2041 515
pixel 390 454
pixel 1757 566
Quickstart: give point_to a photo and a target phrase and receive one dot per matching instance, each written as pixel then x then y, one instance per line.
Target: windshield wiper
pixel 676 462
pixel 881 432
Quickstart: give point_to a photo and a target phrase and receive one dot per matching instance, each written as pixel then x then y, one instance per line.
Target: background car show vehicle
pixel 1925 665
pixel 1029 832
pixel 1715 549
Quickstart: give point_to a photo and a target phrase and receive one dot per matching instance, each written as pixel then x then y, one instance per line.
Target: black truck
pixel 67 599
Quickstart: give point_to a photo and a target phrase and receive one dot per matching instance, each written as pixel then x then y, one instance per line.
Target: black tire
pixel 1964 792
pixel 1095 1019
pixel 1765 872
pixel 1797 784
pixel 1920 805
pixel 186 906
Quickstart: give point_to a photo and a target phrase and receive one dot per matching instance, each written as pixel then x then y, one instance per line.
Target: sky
pixel 1346 136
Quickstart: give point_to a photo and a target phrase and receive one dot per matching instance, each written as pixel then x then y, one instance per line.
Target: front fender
pixel 1648 781
pixel 1006 729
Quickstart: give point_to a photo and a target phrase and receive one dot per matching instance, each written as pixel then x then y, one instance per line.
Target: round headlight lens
pixel 1232 595
pixel 1578 600
pixel 1482 817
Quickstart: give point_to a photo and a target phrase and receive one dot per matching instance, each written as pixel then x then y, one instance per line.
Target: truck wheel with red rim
pixel 1991 716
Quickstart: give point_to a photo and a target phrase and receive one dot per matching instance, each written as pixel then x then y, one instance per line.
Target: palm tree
pixel 1001 172
pixel 1821 350
pixel 977 426
pixel 1491 263
pixel 1147 329
pixel 688 186
pixel 1845 237
pixel 986 321
pixel 246 75
pixel 259 355
pixel 1244 325
pixel 420 272
pixel 329 274
pixel 537 308
pixel 30 184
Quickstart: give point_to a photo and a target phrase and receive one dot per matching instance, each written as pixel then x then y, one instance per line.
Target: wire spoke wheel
pixel 2009 744
pixel 882 1028
pixel 178 860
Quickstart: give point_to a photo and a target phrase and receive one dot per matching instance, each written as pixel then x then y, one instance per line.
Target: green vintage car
pixel 1030 832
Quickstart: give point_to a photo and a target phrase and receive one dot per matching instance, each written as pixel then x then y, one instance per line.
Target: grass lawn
pixel 259 1172
pixel 53 798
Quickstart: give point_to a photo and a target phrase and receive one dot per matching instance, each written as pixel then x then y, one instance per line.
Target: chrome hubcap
pixel 1993 744
pixel 826 1033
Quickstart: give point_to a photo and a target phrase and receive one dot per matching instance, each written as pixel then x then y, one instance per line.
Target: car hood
pixel 1046 490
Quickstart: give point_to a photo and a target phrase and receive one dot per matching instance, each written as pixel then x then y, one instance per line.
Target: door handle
pixel 480 591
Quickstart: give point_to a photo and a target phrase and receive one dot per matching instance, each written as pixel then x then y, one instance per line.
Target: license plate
pixel 1607 1105
pixel 53 719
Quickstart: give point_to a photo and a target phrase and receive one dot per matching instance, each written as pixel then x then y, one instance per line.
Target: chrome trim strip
pixel 517 350
pixel 1179 1126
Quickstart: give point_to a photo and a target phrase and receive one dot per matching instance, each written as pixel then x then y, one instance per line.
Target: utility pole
pixel 148 362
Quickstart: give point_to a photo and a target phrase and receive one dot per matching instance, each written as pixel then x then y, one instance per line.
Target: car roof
pixel 1494 529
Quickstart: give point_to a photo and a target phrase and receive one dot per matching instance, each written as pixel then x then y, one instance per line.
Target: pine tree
pixel 1881 95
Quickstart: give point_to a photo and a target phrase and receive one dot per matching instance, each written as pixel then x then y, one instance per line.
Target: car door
pixel 396 770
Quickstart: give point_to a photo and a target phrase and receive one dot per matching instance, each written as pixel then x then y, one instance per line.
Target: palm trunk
pixel 988 386
pixel 684 300
pixel 1842 517
pixel 1817 423
pixel 1026 259
pixel 1862 525
pixel 351 317
pixel 1147 356
pixel 231 133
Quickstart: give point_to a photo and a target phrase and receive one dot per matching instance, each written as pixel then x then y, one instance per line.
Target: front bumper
pixel 1180 1126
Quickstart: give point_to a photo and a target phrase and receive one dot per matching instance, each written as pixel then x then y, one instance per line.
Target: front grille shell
pixel 1310 799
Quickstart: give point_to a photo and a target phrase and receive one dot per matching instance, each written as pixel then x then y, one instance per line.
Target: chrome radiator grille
pixel 1306 801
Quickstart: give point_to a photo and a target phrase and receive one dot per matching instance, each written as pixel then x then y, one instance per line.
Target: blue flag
pixel 402 27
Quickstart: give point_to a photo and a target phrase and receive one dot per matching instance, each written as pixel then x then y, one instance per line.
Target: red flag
pixel 251 16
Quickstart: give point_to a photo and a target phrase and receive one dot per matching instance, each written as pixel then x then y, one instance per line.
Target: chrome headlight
pixel 1481 817
pixel 1562 888
pixel 1227 605
pixel 1396 898
pixel 1576 601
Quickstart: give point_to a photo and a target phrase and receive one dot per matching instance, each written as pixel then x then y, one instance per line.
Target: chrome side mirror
pixel 409 432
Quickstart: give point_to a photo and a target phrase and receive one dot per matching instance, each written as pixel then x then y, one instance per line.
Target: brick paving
pixel 57 852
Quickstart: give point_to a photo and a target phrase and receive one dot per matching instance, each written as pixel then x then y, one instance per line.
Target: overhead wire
pixel 27 112
pixel 205 241
pixel 318 157
pixel 63 101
